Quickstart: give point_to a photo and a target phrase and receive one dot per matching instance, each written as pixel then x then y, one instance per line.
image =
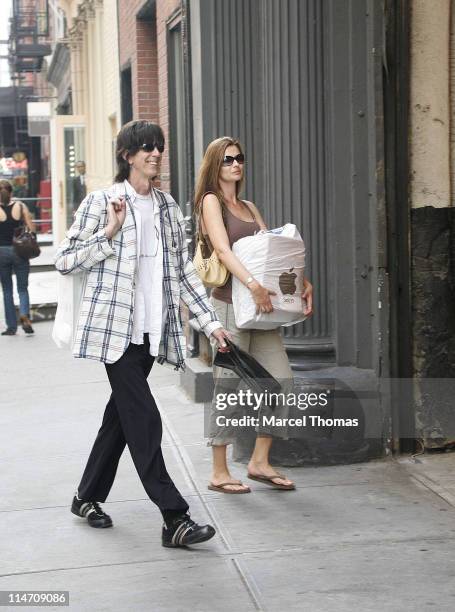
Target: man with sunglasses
pixel 129 241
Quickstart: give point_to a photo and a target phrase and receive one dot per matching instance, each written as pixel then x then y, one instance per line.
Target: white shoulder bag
pixel 69 291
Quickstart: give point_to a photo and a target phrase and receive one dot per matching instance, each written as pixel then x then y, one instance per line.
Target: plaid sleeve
pixel 192 291
pixel 85 245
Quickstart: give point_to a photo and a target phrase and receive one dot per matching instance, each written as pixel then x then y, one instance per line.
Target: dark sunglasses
pixel 148 148
pixel 229 159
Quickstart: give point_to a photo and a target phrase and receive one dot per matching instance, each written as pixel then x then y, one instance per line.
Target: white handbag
pixel 69 291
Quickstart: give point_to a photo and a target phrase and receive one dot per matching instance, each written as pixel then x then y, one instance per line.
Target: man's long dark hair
pixel 130 139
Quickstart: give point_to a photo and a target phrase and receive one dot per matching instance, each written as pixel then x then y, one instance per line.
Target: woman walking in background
pixel 225 219
pixel 13 214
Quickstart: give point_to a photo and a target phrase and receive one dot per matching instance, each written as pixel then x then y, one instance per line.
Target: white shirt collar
pixel 120 189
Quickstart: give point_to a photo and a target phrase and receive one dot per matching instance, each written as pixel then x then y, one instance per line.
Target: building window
pixel 177 127
pixel 126 95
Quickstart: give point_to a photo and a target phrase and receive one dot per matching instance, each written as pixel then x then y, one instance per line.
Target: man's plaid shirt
pixel 106 312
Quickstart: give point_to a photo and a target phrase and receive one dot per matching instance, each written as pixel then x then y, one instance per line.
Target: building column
pixel 75 45
pixel 92 76
pixel 430 113
pixel 432 218
pixel 101 151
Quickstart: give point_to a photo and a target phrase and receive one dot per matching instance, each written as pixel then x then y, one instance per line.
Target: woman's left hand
pixel 307 296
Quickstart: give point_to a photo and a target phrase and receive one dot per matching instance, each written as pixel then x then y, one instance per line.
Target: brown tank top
pixel 236 229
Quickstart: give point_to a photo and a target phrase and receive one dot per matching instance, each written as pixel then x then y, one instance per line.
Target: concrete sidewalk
pixel 368 537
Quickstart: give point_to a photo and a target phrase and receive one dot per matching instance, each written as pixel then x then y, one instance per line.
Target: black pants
pixel 131 417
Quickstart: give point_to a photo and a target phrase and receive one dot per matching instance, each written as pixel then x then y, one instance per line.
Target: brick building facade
pixel 318 116
pixel 143 27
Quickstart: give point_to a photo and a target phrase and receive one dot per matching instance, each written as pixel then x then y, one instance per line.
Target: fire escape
pixel 28 41
pixel 28 45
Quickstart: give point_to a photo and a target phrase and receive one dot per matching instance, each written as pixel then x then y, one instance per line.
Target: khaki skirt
pixel 267 347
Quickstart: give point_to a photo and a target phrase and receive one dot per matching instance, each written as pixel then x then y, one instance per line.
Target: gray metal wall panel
pixel 266 87
pixel 352 177
pixel 338 167
pixel 293 80
pixel 233 104
pixel 363 213
pixel 294 166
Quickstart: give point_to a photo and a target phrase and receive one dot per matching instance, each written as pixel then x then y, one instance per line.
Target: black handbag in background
pixel 24 242
pixel 247 368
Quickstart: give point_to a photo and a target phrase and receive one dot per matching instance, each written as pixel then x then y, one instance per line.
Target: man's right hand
pixel 116 213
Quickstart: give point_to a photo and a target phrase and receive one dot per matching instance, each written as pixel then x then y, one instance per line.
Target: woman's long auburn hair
pixel 6 191
pixel 209 172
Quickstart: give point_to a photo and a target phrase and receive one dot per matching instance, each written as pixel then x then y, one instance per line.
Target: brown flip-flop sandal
pixel 269 480
pixel 221 488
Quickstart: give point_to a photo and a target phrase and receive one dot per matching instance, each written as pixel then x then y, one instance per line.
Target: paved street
pixel 368 537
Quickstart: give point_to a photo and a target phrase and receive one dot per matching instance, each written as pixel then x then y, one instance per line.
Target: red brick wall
pixel 144 44
pixel 164 8
pixel 137 41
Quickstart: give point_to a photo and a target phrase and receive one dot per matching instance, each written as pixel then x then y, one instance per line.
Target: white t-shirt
pixel 148 300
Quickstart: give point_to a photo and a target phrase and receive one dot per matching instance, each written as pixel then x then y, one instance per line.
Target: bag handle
pixel 23 214
pixel 223 214
pixel 24 224
pixel 22 217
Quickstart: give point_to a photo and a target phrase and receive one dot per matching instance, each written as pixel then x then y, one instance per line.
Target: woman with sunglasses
pixel 225 218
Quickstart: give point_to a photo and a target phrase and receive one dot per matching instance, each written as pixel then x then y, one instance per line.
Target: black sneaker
pixel 183 531
pixel 9 332
pixel 92 511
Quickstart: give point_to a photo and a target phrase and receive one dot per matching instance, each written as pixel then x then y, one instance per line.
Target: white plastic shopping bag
pixel 69 296
pixel 276 259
